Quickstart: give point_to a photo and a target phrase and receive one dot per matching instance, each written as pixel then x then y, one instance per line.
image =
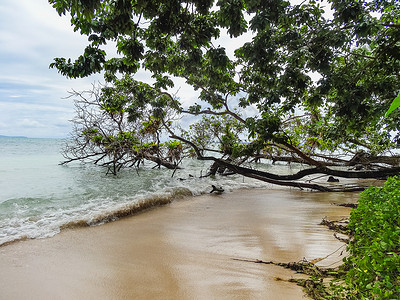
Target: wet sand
pixel 184 250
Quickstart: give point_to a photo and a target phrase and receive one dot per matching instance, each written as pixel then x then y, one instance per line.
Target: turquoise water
pixel 39 197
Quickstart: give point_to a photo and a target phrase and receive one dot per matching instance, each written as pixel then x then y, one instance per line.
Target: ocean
pixel 39 197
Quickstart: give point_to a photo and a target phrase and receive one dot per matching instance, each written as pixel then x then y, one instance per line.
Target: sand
pixel 184 250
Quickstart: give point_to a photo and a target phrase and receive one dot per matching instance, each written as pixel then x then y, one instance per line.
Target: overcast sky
pixel 31 35
pixel 32 96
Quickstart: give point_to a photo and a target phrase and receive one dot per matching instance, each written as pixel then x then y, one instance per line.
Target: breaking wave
pixel 40 198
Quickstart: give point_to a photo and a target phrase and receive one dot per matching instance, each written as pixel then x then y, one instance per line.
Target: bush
pixel 374 261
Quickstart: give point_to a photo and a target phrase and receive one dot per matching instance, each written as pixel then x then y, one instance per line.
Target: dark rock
pixel 218 190
pixel 332 179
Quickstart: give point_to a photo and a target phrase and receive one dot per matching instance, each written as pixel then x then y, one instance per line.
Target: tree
pixel 319 84
pixel 119 128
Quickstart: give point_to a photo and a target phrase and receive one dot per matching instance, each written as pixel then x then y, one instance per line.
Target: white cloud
pixel 31 35
pixel 30 123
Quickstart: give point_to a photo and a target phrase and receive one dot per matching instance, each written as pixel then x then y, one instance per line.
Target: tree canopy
pixel 319 76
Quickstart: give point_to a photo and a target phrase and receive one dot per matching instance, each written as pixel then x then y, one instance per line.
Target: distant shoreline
pixel 27 137
pixel 16 137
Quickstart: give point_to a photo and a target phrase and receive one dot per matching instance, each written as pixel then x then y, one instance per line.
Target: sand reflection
pixel 181 251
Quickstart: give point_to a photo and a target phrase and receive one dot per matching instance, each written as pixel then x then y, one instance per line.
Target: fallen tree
pixel 104 136
pixel 291 180
pixel 301 87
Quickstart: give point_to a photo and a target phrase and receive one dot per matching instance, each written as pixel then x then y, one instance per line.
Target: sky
pixel 32 96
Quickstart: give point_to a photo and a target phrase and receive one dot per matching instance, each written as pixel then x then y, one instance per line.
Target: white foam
pixel 83 194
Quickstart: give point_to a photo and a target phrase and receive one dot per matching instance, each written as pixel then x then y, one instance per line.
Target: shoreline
pixel 182 250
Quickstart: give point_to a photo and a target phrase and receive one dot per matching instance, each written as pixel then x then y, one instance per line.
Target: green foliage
pixel 230 15
pixel 90 131
pixel 88 63
pixel 76 8
pixel 395 104
pixel 341 71
pixel 222 132
pixel 151 126
pixel 97 139
pixel 150 146
pixel 172 145
pixel 374 261
pixel 128 139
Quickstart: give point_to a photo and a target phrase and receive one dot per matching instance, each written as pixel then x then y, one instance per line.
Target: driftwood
pixel 292 180
pixel 114 161
pixel 314 286
pixel 364 161
pixel 336 226
pixel 304 267
pixel 351 205
pixel 217 190
pixel 344 240
pixel 161 162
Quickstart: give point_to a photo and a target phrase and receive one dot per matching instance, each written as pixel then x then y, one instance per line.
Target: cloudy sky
pixel 31 94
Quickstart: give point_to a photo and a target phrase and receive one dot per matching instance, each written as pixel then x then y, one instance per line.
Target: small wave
pixel 141 205
pixel 106 215
pixel 9 242
pixel 42 218
pixel 82 196
pixel 75 224
pixel 125 210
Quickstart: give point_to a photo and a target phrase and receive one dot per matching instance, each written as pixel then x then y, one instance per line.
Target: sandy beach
pixel 184 250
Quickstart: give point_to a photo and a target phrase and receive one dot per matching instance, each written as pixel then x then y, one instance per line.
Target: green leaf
pixel 395 104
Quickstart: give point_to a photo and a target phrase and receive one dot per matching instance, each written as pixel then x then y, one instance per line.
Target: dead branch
pixel 303 266
pixel 333 225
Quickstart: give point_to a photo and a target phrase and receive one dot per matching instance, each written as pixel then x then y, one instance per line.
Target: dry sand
pixel 184 250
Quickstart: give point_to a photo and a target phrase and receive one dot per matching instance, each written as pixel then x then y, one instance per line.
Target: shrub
pixel 374 261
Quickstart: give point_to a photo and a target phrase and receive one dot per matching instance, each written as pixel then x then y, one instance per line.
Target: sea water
pixel 39 197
